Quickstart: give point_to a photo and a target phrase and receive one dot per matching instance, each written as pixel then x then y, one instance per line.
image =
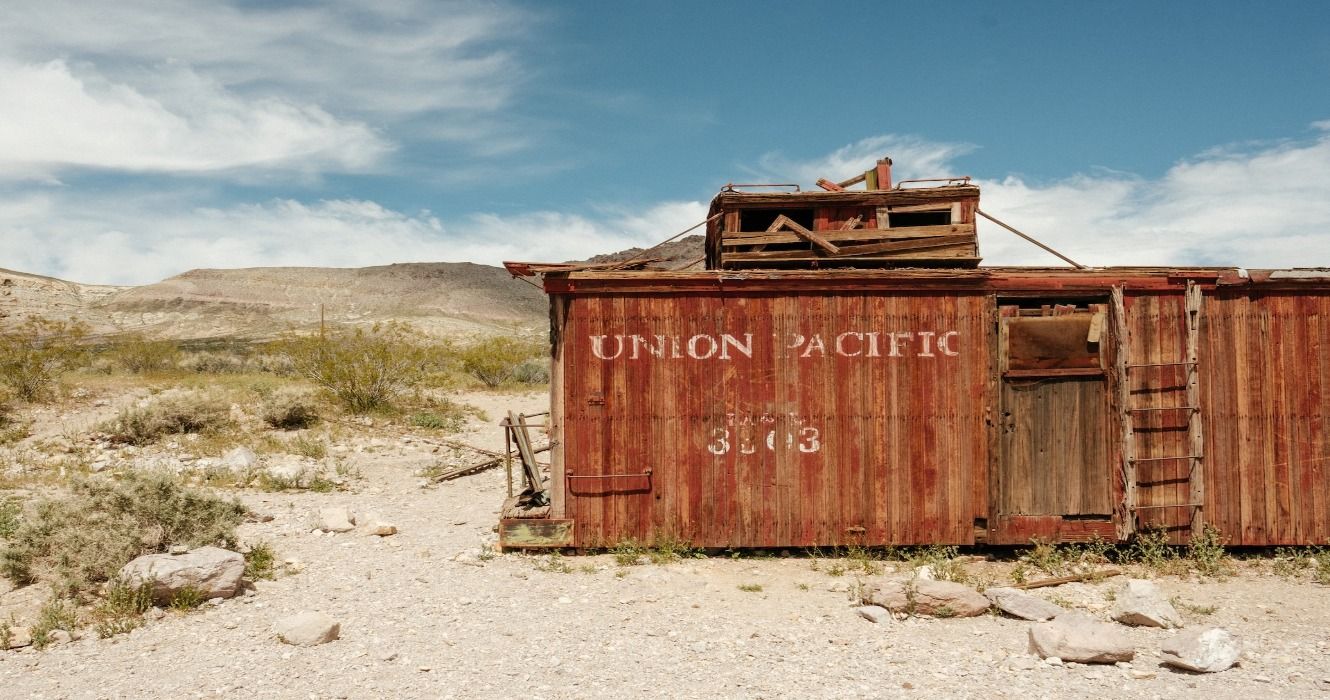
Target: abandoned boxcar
pixel 844 373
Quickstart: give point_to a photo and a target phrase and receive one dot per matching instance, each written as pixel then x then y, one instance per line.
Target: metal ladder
pixel 1195 442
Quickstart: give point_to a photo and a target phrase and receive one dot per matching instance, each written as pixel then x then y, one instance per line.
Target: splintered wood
pixel 845 228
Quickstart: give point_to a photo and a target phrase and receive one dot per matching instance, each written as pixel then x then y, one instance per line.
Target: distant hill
pixel 440 298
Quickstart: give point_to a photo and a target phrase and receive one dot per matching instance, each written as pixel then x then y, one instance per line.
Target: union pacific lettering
pixel 728 346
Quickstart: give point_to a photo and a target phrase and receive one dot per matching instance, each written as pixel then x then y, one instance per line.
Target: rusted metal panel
pixel 802 419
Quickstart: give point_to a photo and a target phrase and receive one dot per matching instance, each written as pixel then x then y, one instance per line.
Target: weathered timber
pixel 744 238
pixel 1073 578
pixel 479 467
pixel 786 222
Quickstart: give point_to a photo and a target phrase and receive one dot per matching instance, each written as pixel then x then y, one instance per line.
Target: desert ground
pixel 435 611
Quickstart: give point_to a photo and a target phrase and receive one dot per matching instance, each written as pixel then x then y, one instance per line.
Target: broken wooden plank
pixel 1073 578
pixel 829 186
pixel 852 224
pixel 529 532
pixel 903 246
pixel 734 238
pixel 817 240
pixel 479 467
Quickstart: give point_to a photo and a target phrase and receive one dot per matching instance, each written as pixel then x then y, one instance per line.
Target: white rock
pixel 1203 649
pixel 289 469
pixel 874 613
pixel 59 637
pixel 19 637
pixel 376 525
pixel 1142 604
pixel 239 459
pixel 1020 604
pixel 307 629
pixel 211 571
pixel 335 519
pixel 926 597
pixel 1074 636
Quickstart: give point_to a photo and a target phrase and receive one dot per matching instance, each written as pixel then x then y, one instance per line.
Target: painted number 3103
pixel 723 441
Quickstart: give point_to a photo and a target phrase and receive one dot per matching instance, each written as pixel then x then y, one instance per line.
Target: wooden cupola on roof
pixel 924 225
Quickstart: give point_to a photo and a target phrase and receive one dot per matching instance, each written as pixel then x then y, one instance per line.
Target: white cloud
pixel 142 240
pixel 51 118
pixel 139 85
pixel 1253 205
pixel 912 157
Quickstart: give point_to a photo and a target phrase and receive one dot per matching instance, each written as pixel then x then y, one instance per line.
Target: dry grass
pixel 170 413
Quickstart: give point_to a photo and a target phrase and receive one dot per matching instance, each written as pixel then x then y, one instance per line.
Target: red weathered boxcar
pixel 800 407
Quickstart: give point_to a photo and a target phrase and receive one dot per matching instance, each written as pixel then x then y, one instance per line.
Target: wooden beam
pixel 786 222
pixel 915 250
pixel 852 224
pixel 903 246
pixel 1196 464
pixel 734 238
pixel 829 186
pixel 1121 343
pixel 852 181
pixel 1073 578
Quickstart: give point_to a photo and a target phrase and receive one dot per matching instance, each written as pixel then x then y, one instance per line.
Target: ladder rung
pixel 1170 505
pixel 1163 459
pixel 1165 408
pixel 1161 364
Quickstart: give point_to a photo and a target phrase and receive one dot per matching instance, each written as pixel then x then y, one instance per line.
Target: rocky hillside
pixel 443 298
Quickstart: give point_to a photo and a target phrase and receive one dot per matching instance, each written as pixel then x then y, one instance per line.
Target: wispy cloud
pixel 206 87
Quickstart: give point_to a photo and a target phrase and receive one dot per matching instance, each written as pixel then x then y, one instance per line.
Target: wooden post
pixel 883 172
pixel 1196 471
pixel 1121 342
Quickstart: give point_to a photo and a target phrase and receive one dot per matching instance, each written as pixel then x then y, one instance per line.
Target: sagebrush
pixel 364 369
pixel 137 354
pixel 289 409
pixel 36 352
pixel 501 359
pixel 83 539
pixel 170 413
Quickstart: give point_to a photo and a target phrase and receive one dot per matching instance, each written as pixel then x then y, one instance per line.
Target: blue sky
pixel 141 139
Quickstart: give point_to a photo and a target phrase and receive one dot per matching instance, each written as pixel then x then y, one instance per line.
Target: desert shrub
pixel 57 614
pixel 170 413
pixel 365 369
pixel 443 414
pixel 533 371
pixel 206 362
pixel 1207 555
pixel 11 511
pixel 500 359
pixel 289 409
pixel 121 608
pixel 85 538
pixel 137 354
pixel 261 562
pixel 36 352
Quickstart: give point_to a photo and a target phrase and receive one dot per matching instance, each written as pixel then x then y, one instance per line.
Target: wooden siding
pixel 1265 389
pixel 793 446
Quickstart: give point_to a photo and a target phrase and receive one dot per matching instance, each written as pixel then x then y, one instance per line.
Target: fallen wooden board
pixel 1059 580
pixel 476 468
pixel 529 532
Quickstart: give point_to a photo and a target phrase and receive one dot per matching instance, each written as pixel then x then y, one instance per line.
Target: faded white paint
pixel 728 346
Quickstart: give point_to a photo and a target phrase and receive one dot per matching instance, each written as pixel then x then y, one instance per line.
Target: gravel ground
pixel 424 617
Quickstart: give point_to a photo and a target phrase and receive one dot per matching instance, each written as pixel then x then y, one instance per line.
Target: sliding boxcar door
pixel 1053 476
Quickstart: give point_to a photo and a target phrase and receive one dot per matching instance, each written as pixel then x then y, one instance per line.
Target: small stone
pixel 1140 603
pixel 1203 650
pixel 178 549
pixel 19 637
pixel 874 613
pixel 1053 661
pixel 59 637
pixel 1141 675
pixel 1022 605
pixel 334 519
pixel 307 629
pixel 239 459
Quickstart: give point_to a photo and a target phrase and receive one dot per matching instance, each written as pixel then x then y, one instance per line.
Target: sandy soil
pixel 423 616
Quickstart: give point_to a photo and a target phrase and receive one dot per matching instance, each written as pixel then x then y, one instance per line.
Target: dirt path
pixel 423 617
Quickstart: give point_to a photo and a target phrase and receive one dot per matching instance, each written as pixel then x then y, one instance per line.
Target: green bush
pixel 36 352
pixel 57 614
pixel 136 354
pixel 289 409
pixel 85 538
pixel 170 413
pixel 121 608
pixel 365 369
pixel 498 360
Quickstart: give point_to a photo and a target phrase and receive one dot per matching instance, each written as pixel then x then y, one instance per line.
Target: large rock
pixel 307 629
pixel 1203 649
pixel 211 571
pixel 1077 637
pixel 1018 603
pixel 19 637
pixel 335 519
pixel 874 613
pixel 1142 604
pixel 926 597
